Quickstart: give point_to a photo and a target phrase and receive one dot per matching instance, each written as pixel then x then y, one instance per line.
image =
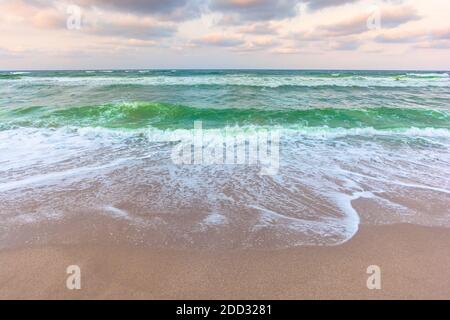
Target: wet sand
pixel 414 261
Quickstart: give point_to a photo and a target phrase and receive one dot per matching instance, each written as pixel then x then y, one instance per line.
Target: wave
pixel 13 75
pixel 136 115
pixel 160 135
pixel 428 75
pixel 20 72
pixel 105 78
pixel 10 76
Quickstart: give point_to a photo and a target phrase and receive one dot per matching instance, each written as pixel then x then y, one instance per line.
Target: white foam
pixel 399 183
pixel 244 80
pixel 323 227
pixel 425 75
pixel 334 173
pixel 351 219
pixel 52 177
pixel 19 72
pixel 170 135
pixel 116 212
pixel 215 219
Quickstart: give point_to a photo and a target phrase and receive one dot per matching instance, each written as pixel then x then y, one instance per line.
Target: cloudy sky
pixel 295 34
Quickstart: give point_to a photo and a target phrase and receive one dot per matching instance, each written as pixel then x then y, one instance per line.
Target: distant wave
pixel 428 75
pixel 20 72
pixel 9 76
pixel 142 77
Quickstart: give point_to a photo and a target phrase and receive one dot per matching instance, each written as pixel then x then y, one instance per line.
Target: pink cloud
pixel 220 40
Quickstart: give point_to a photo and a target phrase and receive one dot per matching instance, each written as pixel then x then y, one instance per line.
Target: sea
pixel 95 148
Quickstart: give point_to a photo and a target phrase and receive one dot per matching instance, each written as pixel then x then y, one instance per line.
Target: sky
pixel 215 34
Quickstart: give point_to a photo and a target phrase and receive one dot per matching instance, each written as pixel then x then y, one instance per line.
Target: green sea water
pixel 167 116
pixel 174 99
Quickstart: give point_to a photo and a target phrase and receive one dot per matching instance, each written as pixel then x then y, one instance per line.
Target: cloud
pixel 37 3
pixel 401 37
pixel 317 46
pixel 307 36
pixel 434 45
pixel 218 40
pixel 48 19
pixel 18 52
pixel 137 6
pixel 250 9
pixel 140 43
pixel 396 16
pixel 259 29
pixel 320 4
pixel 389 18
pixel 414 36
pixel 48 15
pixel 441 34
pixel 164 9
pixel 346 45
pixel 168 8
pixel 256 10
pixel 129 27
pixel 6 53
pixel 38 14
pixel 292 50
pixel 257 44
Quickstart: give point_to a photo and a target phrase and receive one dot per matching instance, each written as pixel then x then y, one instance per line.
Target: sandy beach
pixel 414 262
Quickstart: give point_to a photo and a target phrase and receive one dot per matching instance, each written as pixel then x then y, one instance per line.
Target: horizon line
pixel 220 69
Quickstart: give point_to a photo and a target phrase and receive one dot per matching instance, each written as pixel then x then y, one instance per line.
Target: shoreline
pixel 414 262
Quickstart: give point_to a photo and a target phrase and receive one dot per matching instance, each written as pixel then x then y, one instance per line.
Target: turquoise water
pixel 176 98
pixel 379 137
pixel 272 90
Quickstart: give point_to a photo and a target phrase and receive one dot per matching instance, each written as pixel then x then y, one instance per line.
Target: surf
pixel 137 115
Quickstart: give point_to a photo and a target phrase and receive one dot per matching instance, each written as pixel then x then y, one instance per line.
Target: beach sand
pixel 414 262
